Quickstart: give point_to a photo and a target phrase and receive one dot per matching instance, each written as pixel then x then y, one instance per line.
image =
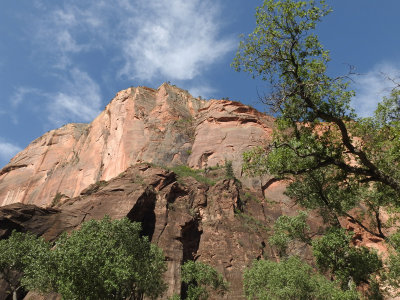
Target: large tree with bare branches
pixel 335 162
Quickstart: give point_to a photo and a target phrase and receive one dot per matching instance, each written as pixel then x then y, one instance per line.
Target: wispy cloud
pixel 175 40
pixel 7 150
pixel 21 93
pixel 60 34
pixel 373 86
pixel 204 91
pixel 149 41
pixel 79 99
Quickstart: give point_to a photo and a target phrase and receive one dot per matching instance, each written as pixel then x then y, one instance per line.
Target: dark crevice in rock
pixel 164 181
pixel 176 192
pixel 11 168
pixel 6 228
pixel 143 212
pixel 249 120
pixel 190 239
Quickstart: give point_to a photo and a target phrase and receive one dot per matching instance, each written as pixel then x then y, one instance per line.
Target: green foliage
pixel 349 264
pixel 392 277
pixel 255 162
pixel 229 170
pixel 103 260
pixel 288 229
pixel 290 279
pixel 200 279
pixel 185 171
pixel 17 254
pixel 334 162
pixel 175 297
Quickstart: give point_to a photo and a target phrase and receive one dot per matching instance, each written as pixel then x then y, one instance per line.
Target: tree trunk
pixel 15 295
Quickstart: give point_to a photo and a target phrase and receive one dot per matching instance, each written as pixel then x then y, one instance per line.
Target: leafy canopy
pixel 102 260
pixel 350 264
pixel 17 254
pixel 334 162
pixel 200 279
pixel 290 279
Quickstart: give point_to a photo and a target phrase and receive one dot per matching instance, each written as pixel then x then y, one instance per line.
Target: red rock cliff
pixel 166 126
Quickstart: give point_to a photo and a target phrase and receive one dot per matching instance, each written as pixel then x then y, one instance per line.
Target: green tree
pixel 336 163
pixel 200 279
pixel 290 279
pixel 17 254
pixel 229 174
pixel 349 264
pixel 288 229
pixel 103 260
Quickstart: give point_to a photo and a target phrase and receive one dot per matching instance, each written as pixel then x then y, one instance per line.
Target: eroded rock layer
pixel 221 224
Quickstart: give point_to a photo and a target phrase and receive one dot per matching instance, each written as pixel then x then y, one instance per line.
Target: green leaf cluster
pixel 200 279
pixel 17 254
pixel 288 229
pixel 334 163
pixel 290 279
pixel 349 264
pixel 102 260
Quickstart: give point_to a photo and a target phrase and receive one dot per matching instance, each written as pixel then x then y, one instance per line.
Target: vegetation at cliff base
pixel 291 278
pixel 200 279
pixel 102 260
pixel 337 164
pixel 17 254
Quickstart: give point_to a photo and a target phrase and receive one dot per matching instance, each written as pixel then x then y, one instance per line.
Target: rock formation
pixel 166 127
pixel 121 165
pixel 84 171
pixel 220 223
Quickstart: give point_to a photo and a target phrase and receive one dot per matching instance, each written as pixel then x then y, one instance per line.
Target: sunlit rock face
pixel 166 127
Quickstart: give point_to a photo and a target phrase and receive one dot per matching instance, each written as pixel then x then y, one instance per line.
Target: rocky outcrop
pixel 222 224
pixel 166 126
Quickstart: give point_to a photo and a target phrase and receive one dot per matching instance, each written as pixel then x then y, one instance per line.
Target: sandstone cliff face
pixel 166 126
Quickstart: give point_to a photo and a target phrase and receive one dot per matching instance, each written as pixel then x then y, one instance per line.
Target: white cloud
pixel 21 93
pixel 59 34
pixel 156 40
pixel 204 91
pixel 174 40
pixel 8 150
pixel 79 99
pixel 373 86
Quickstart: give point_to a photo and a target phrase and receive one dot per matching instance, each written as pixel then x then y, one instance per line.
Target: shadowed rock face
pixel 166 126
pixel 189 220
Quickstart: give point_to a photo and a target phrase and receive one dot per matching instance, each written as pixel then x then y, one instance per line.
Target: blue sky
pixel 63 61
